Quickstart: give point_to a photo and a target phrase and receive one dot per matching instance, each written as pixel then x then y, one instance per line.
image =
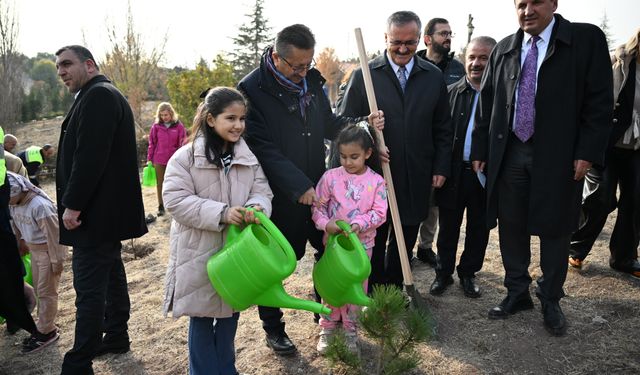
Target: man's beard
pixel 440 49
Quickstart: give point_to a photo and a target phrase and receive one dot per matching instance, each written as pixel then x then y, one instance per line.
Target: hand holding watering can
pixel 250 268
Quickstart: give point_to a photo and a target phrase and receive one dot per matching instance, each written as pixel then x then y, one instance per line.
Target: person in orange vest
pixel 33 157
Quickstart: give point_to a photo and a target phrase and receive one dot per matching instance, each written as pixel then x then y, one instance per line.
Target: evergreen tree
pixel 604 25
pixel 250 42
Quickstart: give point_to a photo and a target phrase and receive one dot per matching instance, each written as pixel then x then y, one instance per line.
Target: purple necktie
pixel 526 110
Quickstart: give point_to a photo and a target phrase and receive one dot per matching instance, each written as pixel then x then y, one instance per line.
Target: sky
pixel 204 28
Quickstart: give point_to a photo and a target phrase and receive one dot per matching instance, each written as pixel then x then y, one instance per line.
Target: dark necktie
pixel 526 111
pixel 402 77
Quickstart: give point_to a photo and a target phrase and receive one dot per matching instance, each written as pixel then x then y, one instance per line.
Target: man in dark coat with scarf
pixel 99 204
pixel 544 119
pixel 288 120
pixel 418 133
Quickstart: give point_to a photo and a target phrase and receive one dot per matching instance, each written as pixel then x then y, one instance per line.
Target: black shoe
pixel 554 320
pixel 280 343
pixel 39 341
pixel 511 305
pixel 112 349
pixel 469 286
pixel 440 284
pixel 149 219
pixel 631 267
pixel 427 256
pixel 160 210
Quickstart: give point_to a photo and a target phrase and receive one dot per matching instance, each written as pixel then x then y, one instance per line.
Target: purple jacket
pixel 163 142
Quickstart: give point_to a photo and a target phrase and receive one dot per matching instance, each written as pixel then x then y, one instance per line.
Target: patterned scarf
pixel 304 96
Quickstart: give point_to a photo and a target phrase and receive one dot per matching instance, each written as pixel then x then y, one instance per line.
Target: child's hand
pixel 235 215
pixel 355 228
pixel 250 216
pixel 332 228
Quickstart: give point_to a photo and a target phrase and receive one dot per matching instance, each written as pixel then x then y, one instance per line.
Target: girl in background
pixel 166 136
pixel 208 185
pixel 354 193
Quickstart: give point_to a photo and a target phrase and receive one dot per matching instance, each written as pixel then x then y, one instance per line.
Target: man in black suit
pixel 418 133
pixel 463 191
pixel 99 204
pixel 543 120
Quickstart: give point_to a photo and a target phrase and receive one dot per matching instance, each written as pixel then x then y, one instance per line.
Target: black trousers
pixel 623 171
pixel 385 259
pixel 513 189
pixel 471 197
pixel 294 221
pixel 102 304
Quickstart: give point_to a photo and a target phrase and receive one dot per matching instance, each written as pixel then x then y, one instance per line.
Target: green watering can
pixel 149 175
pixel 26 260
pixel 340 272
pixel 250 268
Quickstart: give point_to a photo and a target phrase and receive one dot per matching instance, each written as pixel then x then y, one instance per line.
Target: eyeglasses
pixel 300 69
pixel 406 43
pixel 445 34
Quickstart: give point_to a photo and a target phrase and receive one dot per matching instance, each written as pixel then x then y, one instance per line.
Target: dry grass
pixel 602 307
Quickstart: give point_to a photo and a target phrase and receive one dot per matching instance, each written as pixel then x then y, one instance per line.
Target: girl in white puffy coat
pixel 208 184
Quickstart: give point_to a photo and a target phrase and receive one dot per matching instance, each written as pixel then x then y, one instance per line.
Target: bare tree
pixel 329 65
pixel 130 65
pixel 10 66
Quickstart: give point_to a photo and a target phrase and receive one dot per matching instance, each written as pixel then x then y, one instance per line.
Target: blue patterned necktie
pixel 526 111
pixel 402 77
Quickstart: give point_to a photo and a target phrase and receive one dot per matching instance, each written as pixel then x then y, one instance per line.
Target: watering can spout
pixel 356 296
pixel 275 296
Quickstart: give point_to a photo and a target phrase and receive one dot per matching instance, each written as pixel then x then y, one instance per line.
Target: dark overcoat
pixel 573 120
pixel 97 168
pixel 290 147
pixel 417 128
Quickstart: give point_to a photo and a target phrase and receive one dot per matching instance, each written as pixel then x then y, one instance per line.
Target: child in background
pixel 35 224
pixel 166 136
pixel 207 187
pixel 356 194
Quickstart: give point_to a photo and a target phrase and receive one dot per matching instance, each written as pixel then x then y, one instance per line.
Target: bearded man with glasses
pixel 437 38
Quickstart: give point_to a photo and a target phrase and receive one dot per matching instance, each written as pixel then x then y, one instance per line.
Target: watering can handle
pixel 350 235
pixel 279 238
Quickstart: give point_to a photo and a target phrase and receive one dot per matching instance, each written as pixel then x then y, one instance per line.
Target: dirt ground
pixel 602 307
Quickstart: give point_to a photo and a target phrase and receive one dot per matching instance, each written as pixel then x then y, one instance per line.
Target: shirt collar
pixel 545 35
pixel 395 66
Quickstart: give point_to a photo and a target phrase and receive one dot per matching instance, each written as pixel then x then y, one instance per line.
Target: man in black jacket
pixel 543 119
pixel 99 204
pixel 463 191
pixel 437 39
pixel 418 133
pixel 288 120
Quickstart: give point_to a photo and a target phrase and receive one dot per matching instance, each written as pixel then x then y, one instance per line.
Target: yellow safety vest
pixel 3 165
pixel 34 154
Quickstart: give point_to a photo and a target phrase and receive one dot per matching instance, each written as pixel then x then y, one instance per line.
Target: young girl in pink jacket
pixel 167 135
pixel 356 194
